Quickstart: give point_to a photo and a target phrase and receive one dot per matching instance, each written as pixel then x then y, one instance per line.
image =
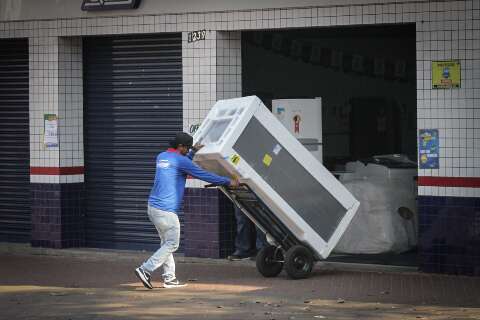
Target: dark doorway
pixel 366 77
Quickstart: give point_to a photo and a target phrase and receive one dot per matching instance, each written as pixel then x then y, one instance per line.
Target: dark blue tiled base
pixel 209 223
pixel 449 235
pixel 57 215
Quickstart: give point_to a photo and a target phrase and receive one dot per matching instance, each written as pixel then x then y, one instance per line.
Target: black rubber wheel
pixel 269 261
pixel 298 262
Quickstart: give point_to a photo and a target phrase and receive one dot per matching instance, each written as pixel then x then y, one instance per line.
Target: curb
pixel 24 249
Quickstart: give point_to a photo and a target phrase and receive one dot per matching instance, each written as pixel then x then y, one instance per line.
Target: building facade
pixel 87 98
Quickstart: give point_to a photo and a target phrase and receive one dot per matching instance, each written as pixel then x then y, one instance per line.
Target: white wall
pixel 444 30
pixel 51 9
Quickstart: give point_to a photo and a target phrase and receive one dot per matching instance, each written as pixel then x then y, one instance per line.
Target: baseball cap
pixel 183 139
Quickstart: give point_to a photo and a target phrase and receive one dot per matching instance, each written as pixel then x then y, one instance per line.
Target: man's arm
pixel 194 150
pixel 190 154
pixel 195 171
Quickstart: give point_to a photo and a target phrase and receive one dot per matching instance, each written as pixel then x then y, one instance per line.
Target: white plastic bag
pixel 386 220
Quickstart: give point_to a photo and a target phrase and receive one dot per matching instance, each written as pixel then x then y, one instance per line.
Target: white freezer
pixel 243 138
pixel 303 119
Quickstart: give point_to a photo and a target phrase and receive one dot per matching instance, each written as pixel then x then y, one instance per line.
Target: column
pixel 56 165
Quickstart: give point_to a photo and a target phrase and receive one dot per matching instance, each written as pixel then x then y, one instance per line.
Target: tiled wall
pixel 445 30
pixel 229 65
pixel 450 229
pixel 56 88
pixel 57 191
pixel 212 70
pixel 451 30
pixel 199 78
pixel 70 106
pixel 43 97
pixel 209 224
pixel 57 215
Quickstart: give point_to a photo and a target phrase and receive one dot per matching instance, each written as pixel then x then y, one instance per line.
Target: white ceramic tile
pixel 441 34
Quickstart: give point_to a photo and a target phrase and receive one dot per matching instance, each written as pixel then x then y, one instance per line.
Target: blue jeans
pixel 168 228
pixel 246 243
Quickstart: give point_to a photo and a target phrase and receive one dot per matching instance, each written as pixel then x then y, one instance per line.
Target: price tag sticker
pixel 235 159
pixel 267 160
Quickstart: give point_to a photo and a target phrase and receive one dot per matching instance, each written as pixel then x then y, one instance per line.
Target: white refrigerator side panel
pixel 302 118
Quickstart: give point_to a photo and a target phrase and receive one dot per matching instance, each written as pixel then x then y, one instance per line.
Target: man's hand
pixel 197 147
pixel 234 183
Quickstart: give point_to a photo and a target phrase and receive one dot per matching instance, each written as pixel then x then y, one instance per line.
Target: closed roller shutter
pixel 15 222
pixel 133 107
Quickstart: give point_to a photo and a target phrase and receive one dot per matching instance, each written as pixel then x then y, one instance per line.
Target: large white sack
pixel 378 227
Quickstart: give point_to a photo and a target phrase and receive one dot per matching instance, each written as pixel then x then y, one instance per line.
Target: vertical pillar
pixel 56 167
pixel 211 71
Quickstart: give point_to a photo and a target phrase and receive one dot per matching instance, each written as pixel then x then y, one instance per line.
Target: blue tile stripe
pixel 449 235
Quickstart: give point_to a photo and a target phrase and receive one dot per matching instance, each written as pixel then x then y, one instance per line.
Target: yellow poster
pixel 446 74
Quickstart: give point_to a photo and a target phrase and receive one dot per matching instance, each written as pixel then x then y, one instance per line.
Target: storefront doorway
pixel 366 78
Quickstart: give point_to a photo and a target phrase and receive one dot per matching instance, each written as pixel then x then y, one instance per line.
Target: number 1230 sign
pixel 197 35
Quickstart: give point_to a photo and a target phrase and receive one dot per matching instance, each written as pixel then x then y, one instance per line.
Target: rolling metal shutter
pixel 15 222
pixel 133 107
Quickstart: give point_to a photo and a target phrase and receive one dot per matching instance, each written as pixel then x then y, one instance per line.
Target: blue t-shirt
pixel 170 176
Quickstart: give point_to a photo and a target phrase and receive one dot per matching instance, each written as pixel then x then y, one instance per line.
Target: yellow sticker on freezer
pixel 267 160
pixel 235 159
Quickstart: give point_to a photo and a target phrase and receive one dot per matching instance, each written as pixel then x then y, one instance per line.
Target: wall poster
pixel 446 74
pixel 50 137
pixel 428 149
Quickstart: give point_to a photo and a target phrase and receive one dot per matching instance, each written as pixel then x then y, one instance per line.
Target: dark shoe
pixel 144 277
pixel 174 283
pixel 235 257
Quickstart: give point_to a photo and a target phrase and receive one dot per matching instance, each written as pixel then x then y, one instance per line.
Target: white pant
pixel 168 228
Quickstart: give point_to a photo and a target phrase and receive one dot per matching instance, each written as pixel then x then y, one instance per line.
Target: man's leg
pixel 243 238
pixel 168 228
pixel 169 267
pixel 261 239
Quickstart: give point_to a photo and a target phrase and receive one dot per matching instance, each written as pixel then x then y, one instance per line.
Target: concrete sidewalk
pixel 100 284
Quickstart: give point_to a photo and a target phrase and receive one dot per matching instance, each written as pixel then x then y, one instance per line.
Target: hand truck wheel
pixel 269 261
pixel 298 262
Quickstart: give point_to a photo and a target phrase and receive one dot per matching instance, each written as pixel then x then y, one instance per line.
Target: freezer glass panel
pixel 217 128
pixel 289 179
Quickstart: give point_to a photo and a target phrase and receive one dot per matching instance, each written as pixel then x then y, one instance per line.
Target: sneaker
pixel 235 257
pixel 144 277
pixel 174 283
